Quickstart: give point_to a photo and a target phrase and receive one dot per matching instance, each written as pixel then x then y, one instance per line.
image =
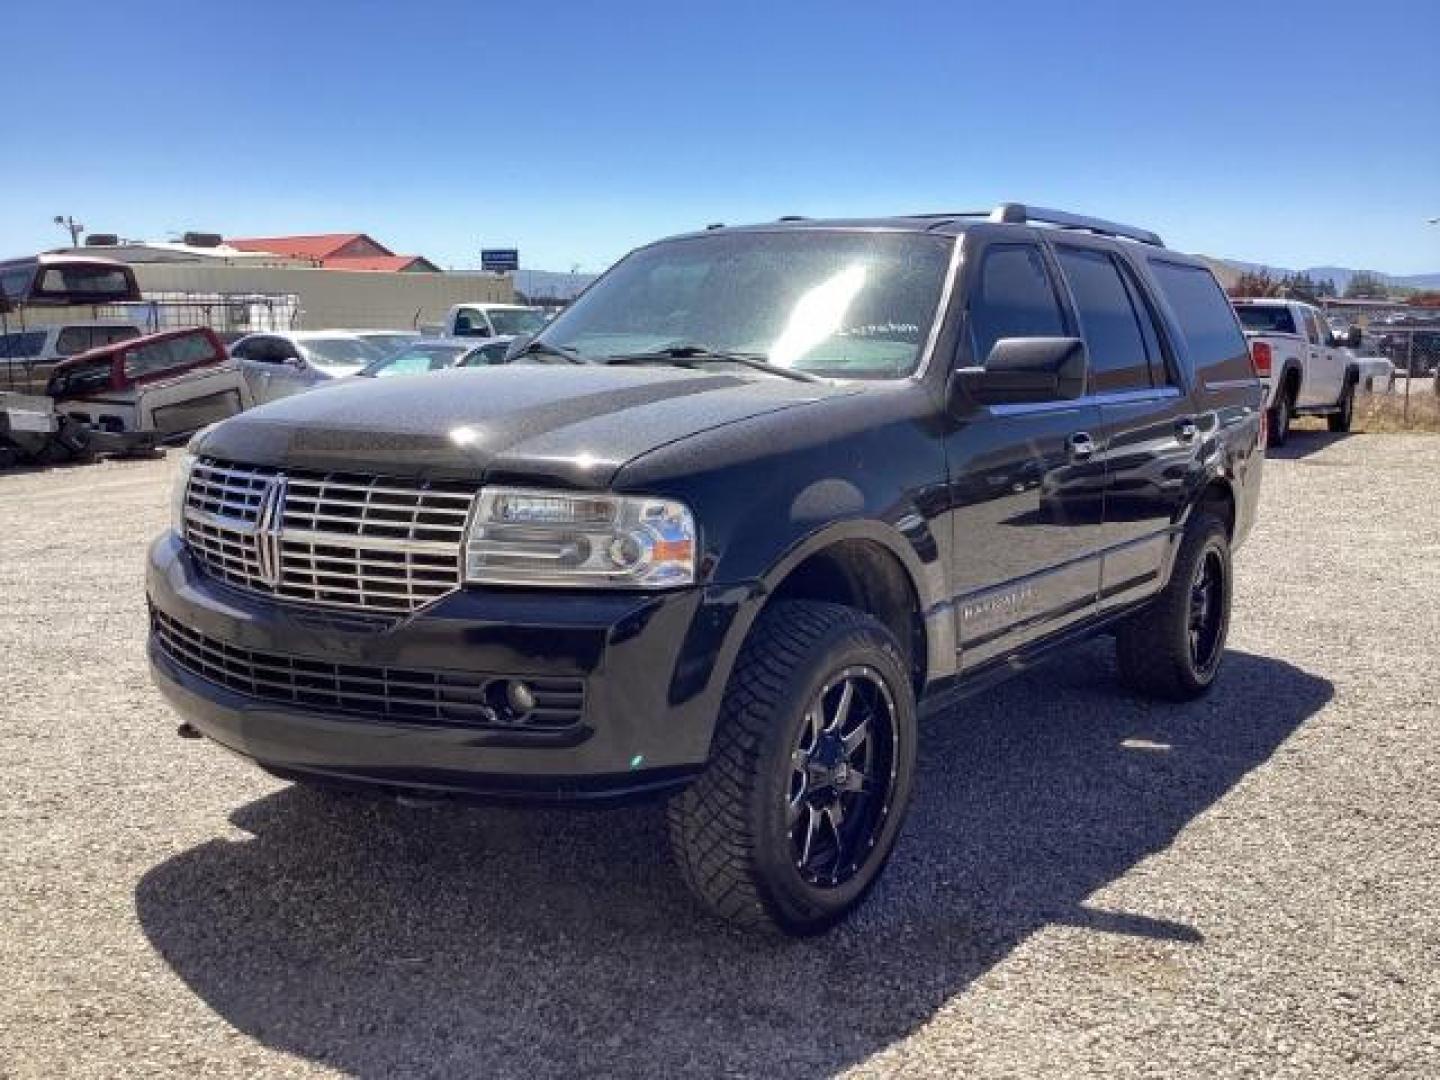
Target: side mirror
pixel 1020 370
pixel 1354 335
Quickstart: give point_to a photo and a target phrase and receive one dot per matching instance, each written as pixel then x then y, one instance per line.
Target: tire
pixel 1157 648
pixel 751 836
pixel 1344 416
pixel 1279 418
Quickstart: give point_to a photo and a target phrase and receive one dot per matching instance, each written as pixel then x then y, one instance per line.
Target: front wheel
pixel 1172 648
pixel 810 772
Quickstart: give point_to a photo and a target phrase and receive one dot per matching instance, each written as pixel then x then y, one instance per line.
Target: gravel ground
pixel 1088 885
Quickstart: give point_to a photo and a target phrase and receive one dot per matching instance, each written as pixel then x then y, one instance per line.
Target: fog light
pixel 519 697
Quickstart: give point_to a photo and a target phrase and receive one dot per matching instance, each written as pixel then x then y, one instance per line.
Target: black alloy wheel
pixel 793 819
pixel 842 773
pixel 1207 611
pixel 1173 647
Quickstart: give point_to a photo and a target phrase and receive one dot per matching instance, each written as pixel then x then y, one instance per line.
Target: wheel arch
pixel 1217 496
pixel 871 567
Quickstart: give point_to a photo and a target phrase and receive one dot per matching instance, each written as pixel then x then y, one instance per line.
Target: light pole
pixel 73 227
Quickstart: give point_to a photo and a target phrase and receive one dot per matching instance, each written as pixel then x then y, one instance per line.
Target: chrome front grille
pixel 395 693
pixel 333 539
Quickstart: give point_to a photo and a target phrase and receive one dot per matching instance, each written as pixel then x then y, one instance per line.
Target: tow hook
pixel 187 731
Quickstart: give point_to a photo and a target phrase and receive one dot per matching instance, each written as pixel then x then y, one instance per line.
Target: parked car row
pixel 70 389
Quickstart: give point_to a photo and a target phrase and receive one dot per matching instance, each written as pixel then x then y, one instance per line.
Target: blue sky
pixel 1294 134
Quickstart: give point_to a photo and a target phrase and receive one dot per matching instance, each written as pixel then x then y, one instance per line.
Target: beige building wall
pixel 335 298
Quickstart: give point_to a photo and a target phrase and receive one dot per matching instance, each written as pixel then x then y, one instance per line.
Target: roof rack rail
pixel 1020 214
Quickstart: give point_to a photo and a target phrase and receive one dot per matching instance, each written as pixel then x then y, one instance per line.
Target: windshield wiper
pixel 678 354
pixel 544 348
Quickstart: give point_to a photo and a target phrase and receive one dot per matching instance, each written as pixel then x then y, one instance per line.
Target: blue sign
pixel 500 260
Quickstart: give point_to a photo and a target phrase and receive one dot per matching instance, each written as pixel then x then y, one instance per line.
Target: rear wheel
pixel 810 772
pixel 1344 416
pixel 1172 649
pixel 1280 416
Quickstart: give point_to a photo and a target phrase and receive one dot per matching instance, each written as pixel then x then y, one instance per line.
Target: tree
pixel 1365 286
pixel 1299 287
pixel 1255 283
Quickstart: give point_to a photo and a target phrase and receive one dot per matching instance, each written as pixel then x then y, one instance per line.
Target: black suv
pixel 721 527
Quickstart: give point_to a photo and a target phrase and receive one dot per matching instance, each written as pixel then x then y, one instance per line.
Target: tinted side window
pixel 23 345
pixel 1162 373
pixel 158 356
pixel 1207 322
pixel 1014 298
pixel 265 350
pixel 1118 357
pixel 77 339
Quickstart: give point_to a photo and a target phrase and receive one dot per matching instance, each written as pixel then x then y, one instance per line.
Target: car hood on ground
pixel 570 425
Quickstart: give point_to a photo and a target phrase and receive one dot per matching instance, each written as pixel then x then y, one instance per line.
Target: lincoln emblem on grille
pixel 267 531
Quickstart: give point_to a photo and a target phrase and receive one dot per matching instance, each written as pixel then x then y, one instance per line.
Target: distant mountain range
pixel 1341 275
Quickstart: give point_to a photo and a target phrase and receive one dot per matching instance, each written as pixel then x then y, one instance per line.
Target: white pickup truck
pixel 488 320
pixel 1308 371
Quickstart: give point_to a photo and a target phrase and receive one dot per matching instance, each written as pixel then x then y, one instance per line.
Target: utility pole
pixel 73 227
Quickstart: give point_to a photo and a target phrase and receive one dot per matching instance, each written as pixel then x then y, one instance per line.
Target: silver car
pixel 278 364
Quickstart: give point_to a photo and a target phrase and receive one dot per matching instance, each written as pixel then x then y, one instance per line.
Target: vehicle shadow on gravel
pixel 1303 442
pixel 385 941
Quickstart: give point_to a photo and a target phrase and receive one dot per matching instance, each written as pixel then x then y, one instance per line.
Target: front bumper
pixel 653 669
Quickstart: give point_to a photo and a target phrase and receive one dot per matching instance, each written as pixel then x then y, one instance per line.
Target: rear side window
pixel 77 339
pixel 1207 321
pixel 22 346
pixel 176 353
pixel 1119 358
pixel 1014 298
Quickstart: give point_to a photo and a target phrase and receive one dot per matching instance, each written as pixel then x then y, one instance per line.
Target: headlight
pixel 177 494
pixel 553 538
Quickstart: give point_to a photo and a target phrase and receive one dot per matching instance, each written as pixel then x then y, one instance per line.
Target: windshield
pixel 1266 319
pixel 849 304
pixel 341 351
pixel 521 321
pixel 415 360
pixel 389 342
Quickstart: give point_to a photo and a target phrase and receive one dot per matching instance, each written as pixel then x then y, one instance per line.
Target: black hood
pixel 572 425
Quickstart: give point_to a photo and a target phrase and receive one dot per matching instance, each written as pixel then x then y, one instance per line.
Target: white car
pixel 1308 371
pixel 277 364
pixel 28 355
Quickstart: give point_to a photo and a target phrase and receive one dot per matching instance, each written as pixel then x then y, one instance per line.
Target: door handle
pixel 1186 430
pixel 1082 447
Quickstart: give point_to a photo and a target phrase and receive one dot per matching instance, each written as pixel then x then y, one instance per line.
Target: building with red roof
pixel 336 251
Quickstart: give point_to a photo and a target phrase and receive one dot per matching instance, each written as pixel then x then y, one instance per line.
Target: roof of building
pixel 392 263
pixel 313 246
